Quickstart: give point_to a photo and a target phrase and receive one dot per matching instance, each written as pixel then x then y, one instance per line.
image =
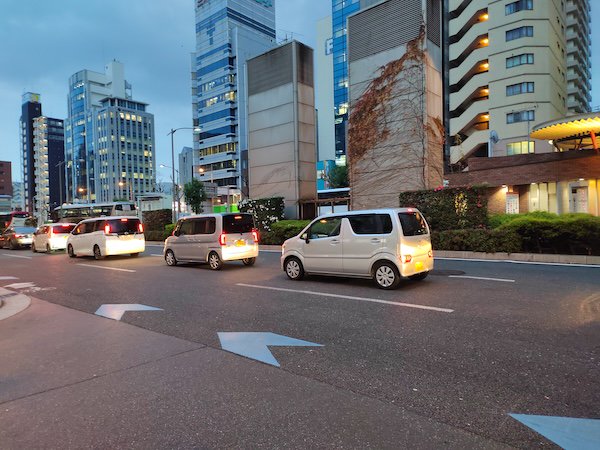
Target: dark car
pixel 16 237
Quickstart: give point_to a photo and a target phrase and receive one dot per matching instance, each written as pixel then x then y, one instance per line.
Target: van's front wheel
pixel 294 269
pixel 249 261
pixel 386 275
pixel 70 251
pixel 170 258
pixel 97 253
pixel 214 261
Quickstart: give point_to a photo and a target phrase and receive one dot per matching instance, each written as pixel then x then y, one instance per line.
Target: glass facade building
pixel 31 108
pixel 228 32
pixel 341 9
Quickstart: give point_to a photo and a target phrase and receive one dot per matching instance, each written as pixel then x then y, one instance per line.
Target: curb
pixel 12 303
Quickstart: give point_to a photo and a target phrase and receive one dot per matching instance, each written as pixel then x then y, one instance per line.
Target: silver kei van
pixel 383 244
pixel 213 238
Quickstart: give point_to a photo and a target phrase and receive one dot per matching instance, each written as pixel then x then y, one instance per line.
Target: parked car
pixel 16 237
pixel 50 237
pixel 213 238
pixel 384 245
pixel 100 237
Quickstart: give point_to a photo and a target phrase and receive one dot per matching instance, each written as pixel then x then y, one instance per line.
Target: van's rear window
pixel 122 226
pixel 413 223
pixel 62 229
pixel 238 223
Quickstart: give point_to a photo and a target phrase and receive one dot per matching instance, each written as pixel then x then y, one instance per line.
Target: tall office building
pixel 30 109
pixel 49 157
pixel 86 89
pixel 324 84
pixel 579 62
pixel 124 162
pixel 228 33
pixel 186 165
pixel 511 65
pixel 6 189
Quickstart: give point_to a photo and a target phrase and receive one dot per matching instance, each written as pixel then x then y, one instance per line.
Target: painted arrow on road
pixel 116 311
pixel 255 345
pixel 567 432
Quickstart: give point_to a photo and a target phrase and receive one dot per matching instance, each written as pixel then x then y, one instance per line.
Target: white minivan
pixel 107 236
pixel 383 244
pixel 52 236
pixel 213 238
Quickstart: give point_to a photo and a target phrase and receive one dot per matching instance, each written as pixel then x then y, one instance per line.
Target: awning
pixel 568 128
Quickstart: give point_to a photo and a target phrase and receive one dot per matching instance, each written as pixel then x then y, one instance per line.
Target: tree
pixel 337 177
pixel 195 195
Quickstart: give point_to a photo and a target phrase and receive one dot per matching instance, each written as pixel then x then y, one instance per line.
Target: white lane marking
pixel 20 285
pixel 481 278
pixel 155 245
pixel 349 297
pixel 16 256
pixel 512 261
pixel 270 251
pixel 152 254
pixel 8 278
pixel 107 268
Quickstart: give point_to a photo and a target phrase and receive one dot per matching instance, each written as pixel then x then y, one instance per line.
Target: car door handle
pixel 335 241
pixel 375 241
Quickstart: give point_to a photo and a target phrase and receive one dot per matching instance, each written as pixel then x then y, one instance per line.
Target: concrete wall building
pixel 49 157
pixel 395 140
pixel 124 160
pixel 30 109
pixel 186 165
pixel 86 89
pixel 18 196
pixel 6 178
pixel 324 86
pixel 512 65
pixel 228 33
pixel 282 131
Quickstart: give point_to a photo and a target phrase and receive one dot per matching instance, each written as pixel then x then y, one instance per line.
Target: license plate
pixel 240 243
pixel 418 265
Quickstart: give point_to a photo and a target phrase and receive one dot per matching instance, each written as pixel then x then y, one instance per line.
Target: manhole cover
pixel 445 273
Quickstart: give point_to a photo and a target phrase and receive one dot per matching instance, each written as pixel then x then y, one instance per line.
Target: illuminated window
pixel 520 148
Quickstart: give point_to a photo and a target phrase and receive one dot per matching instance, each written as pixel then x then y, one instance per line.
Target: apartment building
pixel 513 64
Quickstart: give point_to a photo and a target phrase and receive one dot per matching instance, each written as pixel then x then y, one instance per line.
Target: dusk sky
pixel 43 43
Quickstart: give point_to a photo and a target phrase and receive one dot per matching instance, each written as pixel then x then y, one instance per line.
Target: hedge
pixel 570 234
pixel 282 230
pixel 156 220
pixel 159 235
pixel 477 240
pixel 450 208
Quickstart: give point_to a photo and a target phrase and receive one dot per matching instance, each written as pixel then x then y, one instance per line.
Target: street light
pixel 172 132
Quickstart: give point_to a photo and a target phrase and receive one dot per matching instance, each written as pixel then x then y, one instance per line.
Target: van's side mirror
pixel 176 233
pixel 305 238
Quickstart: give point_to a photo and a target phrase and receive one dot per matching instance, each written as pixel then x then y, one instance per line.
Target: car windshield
pixel 238 223
pixel 24 230
pixel 122 226
pixel 62 229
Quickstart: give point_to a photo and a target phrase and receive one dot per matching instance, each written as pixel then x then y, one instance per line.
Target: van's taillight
pixel 430 253
pixel 107 229
pixel 222 239
pixel 406 258
pixel 51 231
pixel 255 235
pixel 140 227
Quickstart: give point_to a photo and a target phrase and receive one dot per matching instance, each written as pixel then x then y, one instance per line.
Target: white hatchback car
pixel 213 238
pixel 52 236
pixel 384 245
pixel 107 236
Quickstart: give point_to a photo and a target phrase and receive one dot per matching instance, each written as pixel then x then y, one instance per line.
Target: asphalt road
pixel 435 364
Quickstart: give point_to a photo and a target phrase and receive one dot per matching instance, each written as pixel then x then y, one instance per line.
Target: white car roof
pixel 370 211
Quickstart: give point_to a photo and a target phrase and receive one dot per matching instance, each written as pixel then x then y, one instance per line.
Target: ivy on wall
pixel 266 211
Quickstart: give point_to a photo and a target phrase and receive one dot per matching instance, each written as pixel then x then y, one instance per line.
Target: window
pixel 520 148
pixel 371 224
pixel 238 223
pixel 205 225
pixel 520 116
pixel 513 61
pixel 186 228
pixel 520 32
pixel 520 88
pixel 324 228
pixel 413 223
pixel 517 6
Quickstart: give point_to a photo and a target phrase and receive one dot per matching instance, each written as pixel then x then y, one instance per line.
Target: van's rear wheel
pixel 48 249
pixel 97 253
pixel 33 248
pixel 249 261
pixel 70 251
pixel 170 258
pixel 134 255
pixel 293 268
pixel 214 261
pixel 386 275
pixel 419 276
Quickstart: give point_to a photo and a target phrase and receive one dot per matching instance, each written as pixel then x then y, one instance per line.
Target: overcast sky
pixel 42 43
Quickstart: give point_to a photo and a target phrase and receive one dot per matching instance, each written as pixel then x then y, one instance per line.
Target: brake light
pixel 222 239
pixel 107 229
pixel 430 253
pixel 255 235
pixel 19 235
pixel 51 231
pixel 140 227
pixel 237 217
pixel 406 258
pixel 123 220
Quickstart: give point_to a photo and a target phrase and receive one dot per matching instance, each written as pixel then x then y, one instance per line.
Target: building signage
pixel 512 203
pixel 329 46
